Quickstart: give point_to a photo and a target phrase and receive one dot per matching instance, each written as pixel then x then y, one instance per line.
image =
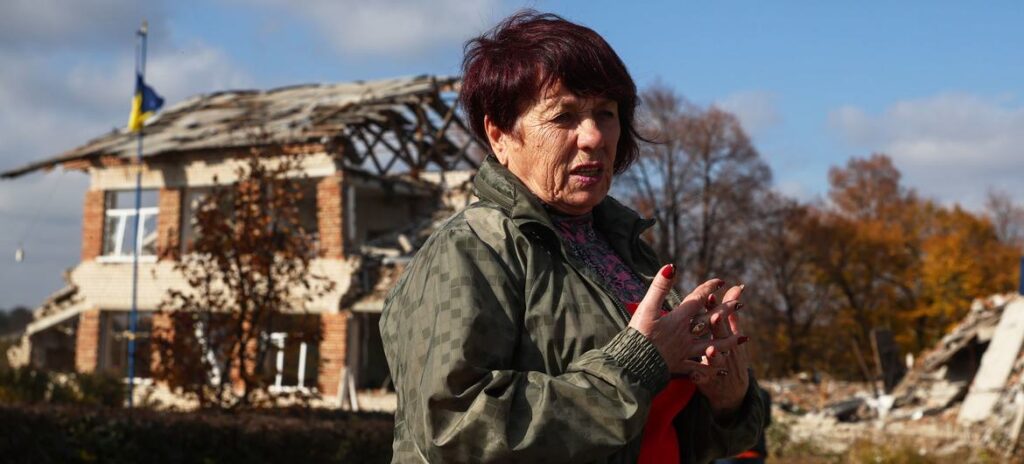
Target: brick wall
pixel 87 342
pixel 330 202
pixel 92 225
pixel 169 224
pixel 332 351
pixel 162 332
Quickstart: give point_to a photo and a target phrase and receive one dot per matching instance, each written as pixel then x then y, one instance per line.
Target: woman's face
pixel 562 148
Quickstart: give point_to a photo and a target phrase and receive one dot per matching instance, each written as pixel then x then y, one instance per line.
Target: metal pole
pixel 140 69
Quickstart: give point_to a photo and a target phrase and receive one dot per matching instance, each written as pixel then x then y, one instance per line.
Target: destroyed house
pixel 384 161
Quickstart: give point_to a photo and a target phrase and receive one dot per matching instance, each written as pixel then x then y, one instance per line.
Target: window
pixel 195 196
pixel 368 353
pixel 114 336
pixel 292 359
pixel 120 229
pixel 294 362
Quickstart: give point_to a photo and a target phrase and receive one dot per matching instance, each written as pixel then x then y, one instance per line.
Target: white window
pixel 120 227
pixel 293 360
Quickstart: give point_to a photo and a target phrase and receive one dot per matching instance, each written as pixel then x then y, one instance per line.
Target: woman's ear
pixel 497 139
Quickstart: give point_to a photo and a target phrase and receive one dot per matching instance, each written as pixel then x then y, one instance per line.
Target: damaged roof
pixel 374 125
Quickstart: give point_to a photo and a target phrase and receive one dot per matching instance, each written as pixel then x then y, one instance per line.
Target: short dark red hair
pixel 506 69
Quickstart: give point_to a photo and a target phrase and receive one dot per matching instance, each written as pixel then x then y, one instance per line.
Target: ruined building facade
pixel 383 161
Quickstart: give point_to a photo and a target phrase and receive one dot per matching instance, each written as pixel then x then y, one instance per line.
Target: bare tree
pixel 787 302
pixel 701 181
pixel 1007 217
pixel 247 269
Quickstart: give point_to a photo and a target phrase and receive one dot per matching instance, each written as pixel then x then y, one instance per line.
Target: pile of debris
pixel 382 260
pixel 969 388
pixel 976 370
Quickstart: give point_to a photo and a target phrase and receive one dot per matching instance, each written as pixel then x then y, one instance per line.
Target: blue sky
pixel 939 86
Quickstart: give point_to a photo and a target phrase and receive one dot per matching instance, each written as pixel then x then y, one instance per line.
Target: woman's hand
pixel 671 332
pixel 724 376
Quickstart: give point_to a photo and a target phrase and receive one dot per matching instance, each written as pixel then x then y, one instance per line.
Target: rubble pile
pixel 965 392
pixel 944 375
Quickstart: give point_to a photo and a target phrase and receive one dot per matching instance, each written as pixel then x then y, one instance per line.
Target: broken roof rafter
pixel 420 128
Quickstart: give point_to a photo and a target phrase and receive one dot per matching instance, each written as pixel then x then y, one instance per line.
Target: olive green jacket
pixel 505 348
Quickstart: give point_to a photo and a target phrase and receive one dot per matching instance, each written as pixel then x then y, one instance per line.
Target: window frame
pixel 121 253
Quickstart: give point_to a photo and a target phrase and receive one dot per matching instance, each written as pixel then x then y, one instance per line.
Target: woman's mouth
pixel 587 174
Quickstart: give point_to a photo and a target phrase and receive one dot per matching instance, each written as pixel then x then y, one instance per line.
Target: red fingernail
pixel 743 339
pixel 631 307
pixel 739 306
pixel 711 300
pixel 668 271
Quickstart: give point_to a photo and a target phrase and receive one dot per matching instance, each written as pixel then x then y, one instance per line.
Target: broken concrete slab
pixel 996 365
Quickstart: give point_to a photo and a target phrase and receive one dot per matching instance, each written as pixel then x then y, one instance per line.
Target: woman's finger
pixel 720 327
pixel 650 308
pixel 694 302
pixel 700 374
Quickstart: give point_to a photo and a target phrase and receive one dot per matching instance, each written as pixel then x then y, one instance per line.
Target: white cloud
pixel 950 146
pixel 393 27
pixel 756 110
pixel 72 24
pixel 196 68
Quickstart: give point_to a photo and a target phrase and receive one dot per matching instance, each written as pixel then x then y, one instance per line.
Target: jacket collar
pixel 496 183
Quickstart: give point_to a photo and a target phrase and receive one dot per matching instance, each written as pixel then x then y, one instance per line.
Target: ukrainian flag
pixel 144 104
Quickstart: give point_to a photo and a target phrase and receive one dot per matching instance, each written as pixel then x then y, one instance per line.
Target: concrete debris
pixel 996 365
pixel 383 259
pixel 960 394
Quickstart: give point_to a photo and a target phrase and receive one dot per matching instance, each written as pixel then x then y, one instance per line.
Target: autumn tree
pixel 700 180
pixel 899 262
pixel 963 258
pixel 248 268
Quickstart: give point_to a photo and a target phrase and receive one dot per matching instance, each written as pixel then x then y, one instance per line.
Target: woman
pixel 509 336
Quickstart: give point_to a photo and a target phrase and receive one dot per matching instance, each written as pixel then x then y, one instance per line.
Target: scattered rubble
pixel 959 396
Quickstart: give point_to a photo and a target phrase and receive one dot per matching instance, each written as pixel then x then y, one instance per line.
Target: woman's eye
pixel 563 118
pixel 606 114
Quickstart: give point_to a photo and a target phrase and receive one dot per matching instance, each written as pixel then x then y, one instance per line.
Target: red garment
pixel 660 444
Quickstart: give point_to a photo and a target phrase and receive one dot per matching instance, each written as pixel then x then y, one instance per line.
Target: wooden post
pixel 864 367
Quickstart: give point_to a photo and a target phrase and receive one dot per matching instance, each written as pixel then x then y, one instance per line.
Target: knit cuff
pixel 638 356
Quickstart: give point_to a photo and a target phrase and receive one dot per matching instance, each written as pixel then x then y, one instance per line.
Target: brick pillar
pixel 330 210
pixel 161 335
pixel 168 245
pixel 92 225
pixel 87 341
pixel 332 351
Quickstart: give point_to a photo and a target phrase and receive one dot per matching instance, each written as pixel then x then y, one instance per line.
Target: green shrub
pixel 47 433
pixel 28 385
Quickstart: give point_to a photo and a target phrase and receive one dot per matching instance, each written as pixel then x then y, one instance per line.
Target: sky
pixel 936 85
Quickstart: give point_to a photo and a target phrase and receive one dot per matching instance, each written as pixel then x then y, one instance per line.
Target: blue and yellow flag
pixel 144 104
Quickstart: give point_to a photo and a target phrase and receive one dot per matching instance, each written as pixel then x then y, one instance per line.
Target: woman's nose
pixel 589 136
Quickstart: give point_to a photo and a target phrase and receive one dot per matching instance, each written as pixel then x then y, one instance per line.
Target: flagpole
pixel 133 317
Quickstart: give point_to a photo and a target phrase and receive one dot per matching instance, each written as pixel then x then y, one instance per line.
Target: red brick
pixel 332 351
pixel 169 224
pixel 87 341
pixel 330 199
pixel 92 225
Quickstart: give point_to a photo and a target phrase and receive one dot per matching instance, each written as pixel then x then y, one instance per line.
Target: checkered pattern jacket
pixel 504 348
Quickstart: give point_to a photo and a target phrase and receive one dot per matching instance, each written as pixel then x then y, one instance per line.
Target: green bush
pixel 47 433
pixel 27 385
